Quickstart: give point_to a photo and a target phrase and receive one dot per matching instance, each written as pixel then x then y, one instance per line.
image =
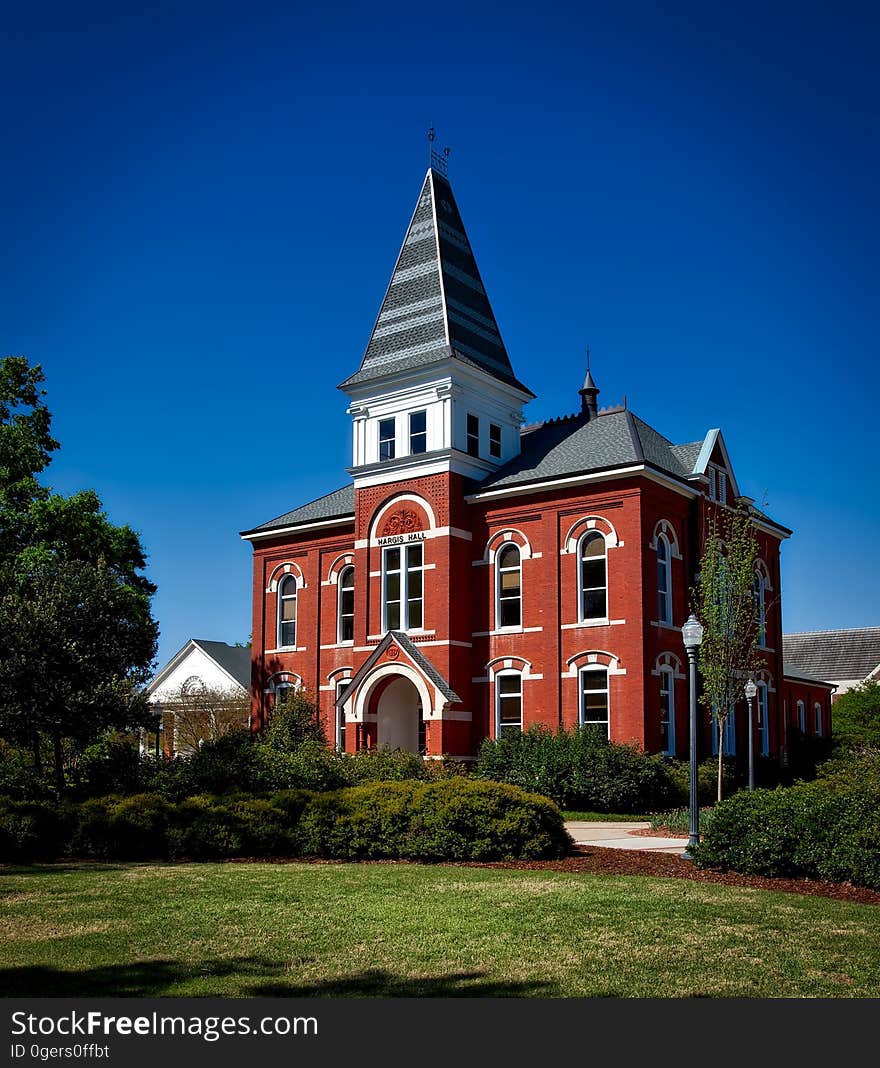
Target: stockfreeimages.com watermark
pixel 73 1025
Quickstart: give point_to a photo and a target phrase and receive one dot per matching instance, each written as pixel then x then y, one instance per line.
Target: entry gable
pixel 397 640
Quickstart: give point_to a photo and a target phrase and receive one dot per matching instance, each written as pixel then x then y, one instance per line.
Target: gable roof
pixel 833 655
pixel 435 307
pixel 417 657
pixel 231 659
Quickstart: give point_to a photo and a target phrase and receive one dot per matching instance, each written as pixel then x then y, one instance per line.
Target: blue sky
pixel 201 206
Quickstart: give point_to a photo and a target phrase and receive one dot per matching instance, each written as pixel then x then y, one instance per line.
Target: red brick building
pixel 475 576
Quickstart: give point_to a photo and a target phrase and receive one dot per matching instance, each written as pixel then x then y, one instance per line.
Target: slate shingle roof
pixel 435 307
pixel 573 445
pixel 231 658
pixel 833 655
pixel 338 503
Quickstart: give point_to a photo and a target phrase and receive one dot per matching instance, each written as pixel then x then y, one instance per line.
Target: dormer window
pixel 418 432
pixel 473 435
pixel 717 485
pixel 386 439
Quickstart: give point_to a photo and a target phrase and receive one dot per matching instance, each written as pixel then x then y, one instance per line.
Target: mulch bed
pixel 588 860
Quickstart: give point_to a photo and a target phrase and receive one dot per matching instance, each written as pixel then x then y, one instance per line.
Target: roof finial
pixel 438 161
pixel 589 391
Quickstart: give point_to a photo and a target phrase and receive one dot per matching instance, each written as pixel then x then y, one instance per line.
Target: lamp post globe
pixel 692 633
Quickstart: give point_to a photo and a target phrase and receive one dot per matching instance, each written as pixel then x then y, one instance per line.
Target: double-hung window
pixel 387 433
pixel 346 605
pixel 287 612
pixel 418 432
pixel 664 585
pixel 667 712
pixel 817 709
pixel 473 435
pixel 594 699
pixel 802 717
pixel 508 704
pixel 402 578
pixel 340 715
pixel 760 609
pixel 763 719
pixel 509 577
pixel 495 440
pixel 593 576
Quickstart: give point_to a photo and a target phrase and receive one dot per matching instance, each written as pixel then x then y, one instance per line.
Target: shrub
pixel 454 819
pixel 31 830
pixel 109 766
pixel 227 765
pixel 856 769
pixel 679 774
pixel 294 723
pixel 122 828
pixel 578 769
pixel 800 831
pixel 381 765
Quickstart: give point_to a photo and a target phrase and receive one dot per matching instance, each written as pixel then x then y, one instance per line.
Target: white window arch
pixel 345 605
pixel 763 719
pixel 667 711
pixel 817 712
pixel 802 717
pixel 508 704
pixel 594 705
pixel 592 576
pixel 287 612
pixel 508 586
pixel 664 580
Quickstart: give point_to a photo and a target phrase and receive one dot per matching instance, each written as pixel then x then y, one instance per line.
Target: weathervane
pixel 438 160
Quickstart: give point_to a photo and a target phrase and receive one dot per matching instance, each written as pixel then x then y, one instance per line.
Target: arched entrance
pixel 399 719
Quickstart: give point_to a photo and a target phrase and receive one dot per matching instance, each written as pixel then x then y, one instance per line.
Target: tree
pixel 197 713
pixel 857 715
pixel 76 631
pixel 724 602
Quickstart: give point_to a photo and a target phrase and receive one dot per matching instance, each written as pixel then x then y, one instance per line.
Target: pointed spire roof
pixel 435 307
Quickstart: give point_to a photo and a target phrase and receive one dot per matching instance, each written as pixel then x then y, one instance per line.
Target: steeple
pixel 589 391
pixel 435 307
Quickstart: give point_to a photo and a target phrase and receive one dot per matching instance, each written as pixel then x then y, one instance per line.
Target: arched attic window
pixel 508 571
pixel 287 612
pixel 592 576
pixel 346 605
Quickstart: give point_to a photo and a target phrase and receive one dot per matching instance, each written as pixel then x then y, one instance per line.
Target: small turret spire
pixel 589 391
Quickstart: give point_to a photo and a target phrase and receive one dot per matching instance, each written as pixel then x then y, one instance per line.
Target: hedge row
pixel 450 820
pixel 803 831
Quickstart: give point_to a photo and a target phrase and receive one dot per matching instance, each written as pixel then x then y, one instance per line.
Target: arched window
pixel 508 569
pixel 664 581
pixel 346 605
pixel 594 699
pixel 802 717
pixel 341 686
pixel 763 719
pixel 287 612
pixel 593 576
pixel 760 595
pixel 667 711
pixel 508 704
pixel 817 709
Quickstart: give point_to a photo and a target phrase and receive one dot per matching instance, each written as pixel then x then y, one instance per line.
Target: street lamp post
pixel 750 690
pixel 692 633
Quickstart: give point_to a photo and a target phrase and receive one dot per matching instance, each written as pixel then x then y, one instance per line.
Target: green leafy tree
pixel 76 630
pixel 857 715
pixel 724 602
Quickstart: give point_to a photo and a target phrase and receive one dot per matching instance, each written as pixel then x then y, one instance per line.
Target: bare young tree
pixel 198 713
pixel 725 604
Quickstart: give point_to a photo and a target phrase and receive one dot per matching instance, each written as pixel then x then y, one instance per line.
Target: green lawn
pixel 603 817
pixel 400 929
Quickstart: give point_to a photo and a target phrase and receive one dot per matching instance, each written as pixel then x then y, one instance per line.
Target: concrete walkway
pixel 616 836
